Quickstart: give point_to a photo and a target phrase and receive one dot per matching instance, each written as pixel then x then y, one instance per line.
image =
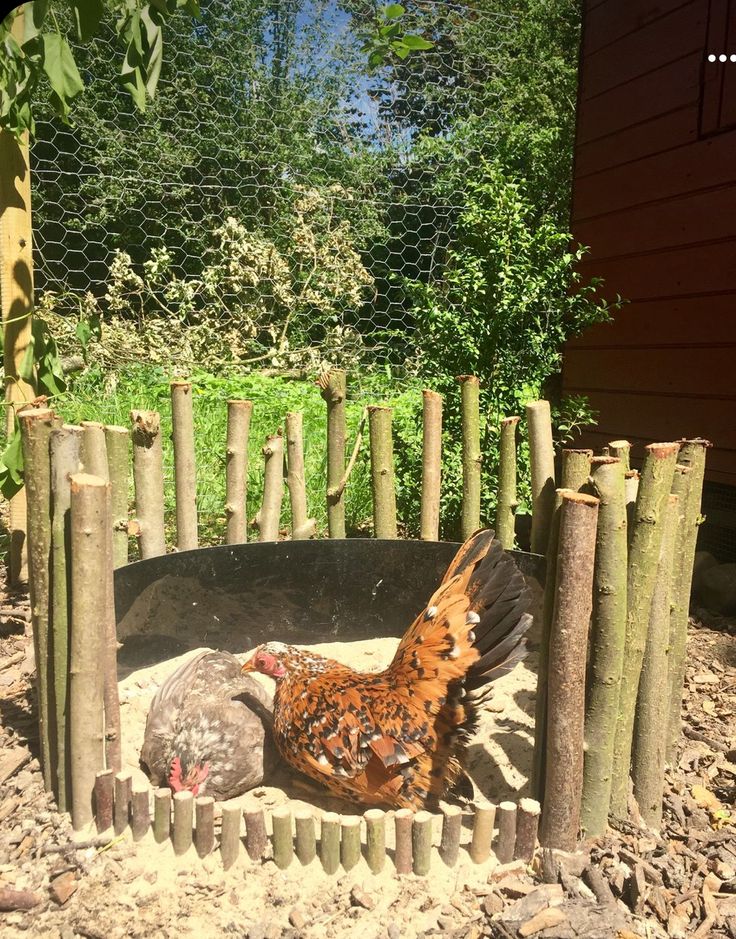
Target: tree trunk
pixel 273 489
pixel 89 524
pixel 333 388
pixel 431 465
pixel 236 486
pixel 93 450
pixel 382 472
pixel 645 542
pixel 567 654
pixel 36 425
pixel 117 440
pixel 608 634
pixel 185 472
pixel 542 456
pixel 302 527
pixel 113 741
pixel 506 504
pixel 621 449
pixel 472 457
pixel 650 739
pixel 575 469
pixel 148 476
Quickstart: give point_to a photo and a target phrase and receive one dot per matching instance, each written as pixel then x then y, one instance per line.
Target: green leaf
pixel 400 49
pixel 417 42
pixel 25 371
pixel 393 11
pixel 87 15
pixel 11 465
pixel 62 72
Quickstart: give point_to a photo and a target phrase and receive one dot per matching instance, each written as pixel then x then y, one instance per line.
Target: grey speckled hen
pixel 209 729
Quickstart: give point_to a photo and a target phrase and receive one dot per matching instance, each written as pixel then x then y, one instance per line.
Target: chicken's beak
pixel 249 666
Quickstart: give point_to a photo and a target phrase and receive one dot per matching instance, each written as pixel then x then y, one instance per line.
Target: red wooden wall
pixel 655 199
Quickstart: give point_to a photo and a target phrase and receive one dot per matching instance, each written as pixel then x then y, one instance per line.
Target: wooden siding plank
pixel 610 21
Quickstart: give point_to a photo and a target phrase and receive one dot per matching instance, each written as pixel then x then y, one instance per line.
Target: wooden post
pixel 542 455
pixel 333 387
pixel 140 813
pixel 16 302
pixel 567 653
pixel 483 821
pixel 575 469
pixel 183 821
pixel 429 529
pixel 645 542
pixel 349 841
pixel 621 449
pixel 230 835
pixel 109 661
pixel 527 823
pixel 329 842
pixel 692 454
pixel 506 842
pixel 506 506
pixel 302 527
pixel 269 516
pixel 148 476
pixel 608 633
pixel 117 445
pixel 64 452
pixel 421 843
pixel 403 851
pixel 256 838
pixel 123 796
pixel 650 729
pixel 161 815
pixel 93 450
pixel 185 473
pixel 283 843
pixel 452 823
pixel 204 834
pixel 382 472
pixel 375 839
pixel 89 524
pixel 103 798
pixel 236 484
pixel 306 838
pixel 472 457
pixel 36 425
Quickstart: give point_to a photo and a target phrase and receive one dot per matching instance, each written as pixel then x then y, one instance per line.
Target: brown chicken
pixel 398 737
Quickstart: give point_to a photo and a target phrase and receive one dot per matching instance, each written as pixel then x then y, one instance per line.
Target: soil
pixel 633 882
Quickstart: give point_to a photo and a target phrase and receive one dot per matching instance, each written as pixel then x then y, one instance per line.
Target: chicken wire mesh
pixel 278 202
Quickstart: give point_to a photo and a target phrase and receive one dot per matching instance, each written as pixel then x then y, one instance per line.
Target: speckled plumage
pixel 397 737
pixel 207 711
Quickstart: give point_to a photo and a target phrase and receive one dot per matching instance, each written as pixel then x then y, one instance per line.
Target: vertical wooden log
pixel 93 450
pixel 527 824
pixel 16 302
pixel 89 524
pixel 306 838
pixel 472 457
pixel 333 391
pixel 650 728
pixel 123 797
pixel 375 839
pixel 103 798
pixel 204 834
pixel 256 838
pixel 631 488
pixel 140 813
pixel 575 469
pixel 692 454
pixel 429 529
pixel 421 843
pixel 349 841
pixel 621 449
pixel 452 823
pixel 645 542
pixel 236 472
pixel 183 821
pixel 506 506
pixel 567 654
pixel 382 472
pixel 36 425
pixel 269 515
pixel 109 660
pixel 608 634
pixel 483 821
pixel 161 815
pixel 117 445
pixel 148 477
pixel 542 456
pixel 283 842
pixel 302 527
pixel 64 452
pixel 403 851
pixel 506 840
pixel 329 842
pixel 185 473
pixel 230 835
